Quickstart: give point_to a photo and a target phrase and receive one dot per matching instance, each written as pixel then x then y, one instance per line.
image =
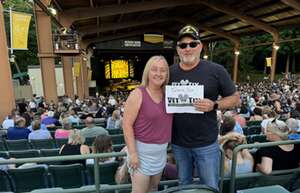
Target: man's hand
pixel 204 105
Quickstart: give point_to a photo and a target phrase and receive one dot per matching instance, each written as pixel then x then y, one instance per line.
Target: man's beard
pixel 191 59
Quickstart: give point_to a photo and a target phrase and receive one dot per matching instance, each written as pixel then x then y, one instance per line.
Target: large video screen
pixel 118 68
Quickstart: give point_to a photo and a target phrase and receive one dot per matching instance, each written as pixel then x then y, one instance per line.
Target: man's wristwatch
pixel 216 106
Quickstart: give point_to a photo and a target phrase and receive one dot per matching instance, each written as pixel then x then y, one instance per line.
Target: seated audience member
pixel 91 130
pixel 8 122
pixel 277 157
pixel 42 126
pixel 257 114
pixel 268 116
pixel 244 158
pixel 73 117
pixel 294 130
pixel 75 146
pixel 19 131
pixel 64 132
pixel 37 132
pixel 102 144
pixel 115 121
pixel 227 131
pixel 49 120
pixel 239 120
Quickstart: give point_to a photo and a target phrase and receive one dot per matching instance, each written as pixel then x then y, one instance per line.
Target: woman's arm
pixel 247 156
pixel 132 107
pixel 265 166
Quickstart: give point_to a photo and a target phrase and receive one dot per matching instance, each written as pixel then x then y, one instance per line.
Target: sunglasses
pixel 192 44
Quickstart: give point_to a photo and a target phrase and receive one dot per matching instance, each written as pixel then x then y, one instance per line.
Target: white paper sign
pixel 180 99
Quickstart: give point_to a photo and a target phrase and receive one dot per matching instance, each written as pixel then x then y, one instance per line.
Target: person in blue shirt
pixel 37 132
pixel 19 131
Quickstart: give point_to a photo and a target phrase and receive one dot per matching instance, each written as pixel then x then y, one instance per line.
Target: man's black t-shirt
pixel 198 130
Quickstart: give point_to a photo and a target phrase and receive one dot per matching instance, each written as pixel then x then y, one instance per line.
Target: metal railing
pixel 257 145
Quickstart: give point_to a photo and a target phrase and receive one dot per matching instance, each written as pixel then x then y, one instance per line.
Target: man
pixel 194 136
pixel 91 130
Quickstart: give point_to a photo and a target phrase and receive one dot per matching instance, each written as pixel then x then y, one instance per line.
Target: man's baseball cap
pixel 189 31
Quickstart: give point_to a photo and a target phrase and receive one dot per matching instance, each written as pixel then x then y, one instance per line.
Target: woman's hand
pixel 134 162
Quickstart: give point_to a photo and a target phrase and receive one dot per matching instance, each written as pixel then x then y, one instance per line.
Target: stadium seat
pixel 67 176
pixel 89 141
pixel 48 153
pixel 118 147
pixel 21 144
pixel 2 146
pixel 114 131
pixel 43 143
pixel 190 189
pixel 60 142
pixel 24 154
pixel 118 139
pixel 5 182
pixel 106 173
pixel 28 179
pixel 4 154
pixel 253 123
pixel 266 189
pixel 251 130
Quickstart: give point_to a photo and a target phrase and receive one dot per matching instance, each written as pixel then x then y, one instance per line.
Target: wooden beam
pixel 74 14
pixel 130 34
pixel 245 18
pixel 233 38
pixel 292 3
pixel 112 26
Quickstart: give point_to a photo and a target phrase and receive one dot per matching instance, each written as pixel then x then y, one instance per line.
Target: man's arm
pixel 229 101
pixel 207 105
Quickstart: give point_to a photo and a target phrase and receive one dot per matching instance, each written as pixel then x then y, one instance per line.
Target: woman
pixel 115 121
pixel 244 158
pixel 147 127
pixel 277 157
pixel 64 132
pixel 102 144
pixel 75 146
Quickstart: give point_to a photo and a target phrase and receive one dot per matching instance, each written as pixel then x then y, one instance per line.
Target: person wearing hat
pixel 194 136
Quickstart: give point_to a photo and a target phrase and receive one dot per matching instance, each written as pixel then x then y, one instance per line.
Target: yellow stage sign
pixel 20 27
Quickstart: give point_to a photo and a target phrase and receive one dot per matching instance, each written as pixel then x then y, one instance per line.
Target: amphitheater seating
pixel 106 171
pixel 21 144
pixel 43 143
pixel 67 176
pixel 5 182
pixel 28 179
pixel 24 154
pixel 3 146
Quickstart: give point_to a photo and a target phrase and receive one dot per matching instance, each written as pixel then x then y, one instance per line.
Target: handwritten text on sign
pixel 180 99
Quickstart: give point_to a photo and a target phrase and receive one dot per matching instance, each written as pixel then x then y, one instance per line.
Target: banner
pixel 76 69
pixel 153 38
pixel 89 77
pixel 269 62
pixel 20 27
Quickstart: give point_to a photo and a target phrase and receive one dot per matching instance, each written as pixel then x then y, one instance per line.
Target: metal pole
pixel 96 175
pixel 11 33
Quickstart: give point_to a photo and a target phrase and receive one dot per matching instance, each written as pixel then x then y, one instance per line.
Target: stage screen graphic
pixel 115 69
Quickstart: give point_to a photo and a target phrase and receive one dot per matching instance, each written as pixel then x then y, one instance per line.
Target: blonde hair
pixel 150 62
pixel 116 115
pixel 278 128
pixel 75 137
